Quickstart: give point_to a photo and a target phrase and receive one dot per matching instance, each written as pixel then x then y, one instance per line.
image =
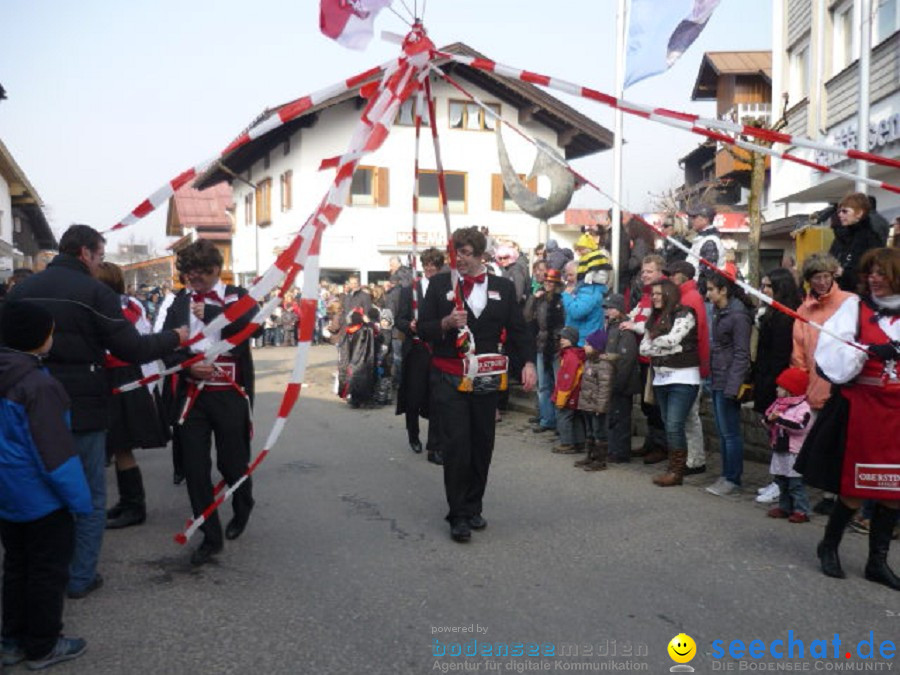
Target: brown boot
pixel 590 444
pixel 675 474
pixel 601 449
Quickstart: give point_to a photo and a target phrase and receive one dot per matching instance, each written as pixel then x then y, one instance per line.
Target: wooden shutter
pixel 382 187
pixel 496 192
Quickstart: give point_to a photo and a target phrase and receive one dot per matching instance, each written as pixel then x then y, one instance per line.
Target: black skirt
pixel 821 458
pixel 135 416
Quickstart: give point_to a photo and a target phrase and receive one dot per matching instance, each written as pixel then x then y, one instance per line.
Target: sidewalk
pixel 756 458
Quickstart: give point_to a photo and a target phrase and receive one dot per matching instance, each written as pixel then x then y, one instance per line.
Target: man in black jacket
pixel 88 318
pixel 213 398
pixel 466 406
pixel 414 394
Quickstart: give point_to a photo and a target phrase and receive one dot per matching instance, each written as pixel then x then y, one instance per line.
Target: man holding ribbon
pixel 212 398
pixel 463 322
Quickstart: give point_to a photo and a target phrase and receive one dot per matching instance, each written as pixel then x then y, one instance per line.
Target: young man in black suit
pixel 215 399
pixel 465 406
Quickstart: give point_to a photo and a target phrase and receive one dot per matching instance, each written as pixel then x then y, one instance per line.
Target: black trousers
pixel 656 429
pixel 222 413
pixel 466 430
pixel 417 396
pixel 35 573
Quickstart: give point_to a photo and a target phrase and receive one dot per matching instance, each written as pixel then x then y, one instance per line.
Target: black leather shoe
pixel 90 588
pixel 539 429
pixel 694 470
pixel 534 420
pixel 416 447
pixel 204 553
pixel 460 530
pixel 235 527
pixel 476 522
pixel 177 478
pixel 435 457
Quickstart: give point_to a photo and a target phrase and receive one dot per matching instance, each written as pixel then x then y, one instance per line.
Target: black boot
pixel 827 550
pixel 131 509
pixel 880 530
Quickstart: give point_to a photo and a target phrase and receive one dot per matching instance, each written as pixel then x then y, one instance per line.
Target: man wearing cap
pixel 466 405
pixel 682 274
pixel 89 322
pixel 707 243
pixel 626 382
pixel 544 311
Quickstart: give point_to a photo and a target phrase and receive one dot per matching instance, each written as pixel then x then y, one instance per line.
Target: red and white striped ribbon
pixel 281 115
pixel 442 191
pixel 372 129
pixel 689 122
pixel 746 287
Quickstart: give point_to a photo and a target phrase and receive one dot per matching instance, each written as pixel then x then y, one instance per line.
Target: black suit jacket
pixel 179 315
pixel 502 311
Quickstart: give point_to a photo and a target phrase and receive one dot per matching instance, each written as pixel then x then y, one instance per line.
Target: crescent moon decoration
pixel 547 163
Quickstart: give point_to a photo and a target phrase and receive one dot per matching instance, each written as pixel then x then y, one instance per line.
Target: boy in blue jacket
pixel 42 483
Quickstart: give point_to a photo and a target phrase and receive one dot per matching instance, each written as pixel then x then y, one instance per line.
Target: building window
pixel 799 73
pixel 406 115
pixel 266 161
pixel 264 202
pixel 370 186
pixel 429 196
pixel 248 209
pixel 287 146
pixel 470 116
pixel 500 199
pixel 842 45
pixel 888 19
pixel 17 225
pixel 286 186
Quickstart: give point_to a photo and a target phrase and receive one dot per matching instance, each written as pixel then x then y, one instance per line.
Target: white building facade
pixel 281 183
pixel 815 50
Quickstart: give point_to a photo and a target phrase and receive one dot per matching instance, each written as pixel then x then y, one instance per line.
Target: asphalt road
pixel 347 566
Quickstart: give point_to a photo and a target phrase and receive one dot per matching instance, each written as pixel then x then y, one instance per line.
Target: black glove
pixel 885 352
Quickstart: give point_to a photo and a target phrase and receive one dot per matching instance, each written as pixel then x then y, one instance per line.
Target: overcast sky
pixel 109 100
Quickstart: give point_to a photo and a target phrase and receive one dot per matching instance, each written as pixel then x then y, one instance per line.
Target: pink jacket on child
pixel 793 418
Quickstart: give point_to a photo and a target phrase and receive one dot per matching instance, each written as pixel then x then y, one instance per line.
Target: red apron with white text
pixel 872 458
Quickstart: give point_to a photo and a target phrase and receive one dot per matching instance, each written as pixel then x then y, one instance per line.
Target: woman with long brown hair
pixel 670 341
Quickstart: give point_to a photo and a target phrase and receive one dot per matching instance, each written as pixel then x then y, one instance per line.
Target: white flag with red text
pixel 350 22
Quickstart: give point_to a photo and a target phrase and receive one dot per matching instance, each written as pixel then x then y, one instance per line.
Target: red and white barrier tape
pixel 690 122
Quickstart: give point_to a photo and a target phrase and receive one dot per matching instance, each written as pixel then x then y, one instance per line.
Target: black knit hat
pixel 25 326
pixel 570 333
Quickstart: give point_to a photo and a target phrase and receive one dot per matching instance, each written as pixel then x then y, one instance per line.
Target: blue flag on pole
pixel 659 32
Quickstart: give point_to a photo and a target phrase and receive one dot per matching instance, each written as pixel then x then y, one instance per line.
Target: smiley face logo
pixel 682 648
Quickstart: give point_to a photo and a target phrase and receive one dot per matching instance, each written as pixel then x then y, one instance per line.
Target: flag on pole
pixel 659 32
pixel 350 22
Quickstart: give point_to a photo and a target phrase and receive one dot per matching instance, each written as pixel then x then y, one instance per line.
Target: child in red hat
pixel 788 420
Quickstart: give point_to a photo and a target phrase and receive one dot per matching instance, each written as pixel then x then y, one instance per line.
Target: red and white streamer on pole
pixel 282 115
pixel 689 122
pixel 397 84
pixel 746 287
